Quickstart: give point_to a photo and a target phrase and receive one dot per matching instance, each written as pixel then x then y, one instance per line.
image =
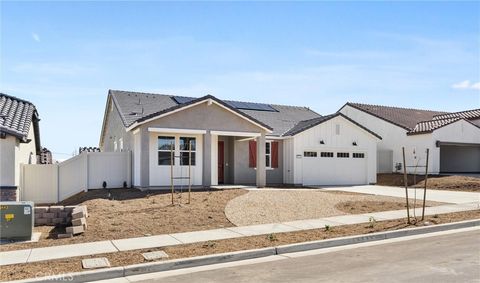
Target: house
pixel 453 139
pixel 19 142
pixel 232 142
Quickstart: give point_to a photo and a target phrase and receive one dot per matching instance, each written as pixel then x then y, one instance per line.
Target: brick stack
pixel 75 217
pixel 79 222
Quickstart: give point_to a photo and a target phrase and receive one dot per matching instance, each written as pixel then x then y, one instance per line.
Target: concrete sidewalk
pixel 432 195
pixel 93 248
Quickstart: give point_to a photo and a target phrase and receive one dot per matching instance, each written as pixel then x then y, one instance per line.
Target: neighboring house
pixel 452 138
pixel 19 142
pixel 45 156
pixel 235 142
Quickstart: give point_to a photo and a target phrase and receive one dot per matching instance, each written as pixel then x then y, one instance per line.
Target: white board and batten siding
pixel 56 182
pixel 338 135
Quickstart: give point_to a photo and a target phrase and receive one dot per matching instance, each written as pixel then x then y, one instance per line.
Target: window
pixel 310 153
pixel 326 154
pixel 358 155
pixel 165 145
pixel 343 155
pixel 337 129
pixel 185 144
pixel 268 154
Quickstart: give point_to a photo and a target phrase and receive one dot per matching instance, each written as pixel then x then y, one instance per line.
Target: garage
pixel 459 158
pixel 340 167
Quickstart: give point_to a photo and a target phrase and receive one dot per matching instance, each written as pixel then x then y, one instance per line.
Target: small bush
pixel 272 237
pixel 327 227
pixel 371 221
pixel 209 244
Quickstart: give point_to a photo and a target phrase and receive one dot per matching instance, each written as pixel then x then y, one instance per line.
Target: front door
pixel 221 162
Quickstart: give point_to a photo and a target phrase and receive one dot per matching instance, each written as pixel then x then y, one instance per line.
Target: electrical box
pixel 16 220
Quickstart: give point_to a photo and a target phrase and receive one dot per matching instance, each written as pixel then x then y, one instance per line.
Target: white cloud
pixel 466 85
pixel 35 37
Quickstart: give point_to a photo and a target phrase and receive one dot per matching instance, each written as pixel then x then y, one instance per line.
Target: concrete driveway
pixel 432 195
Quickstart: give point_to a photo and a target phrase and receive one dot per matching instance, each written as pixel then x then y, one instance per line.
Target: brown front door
pixel 221 162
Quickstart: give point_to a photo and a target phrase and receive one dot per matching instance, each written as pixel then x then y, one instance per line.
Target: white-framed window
pixel 310 154
pixel 358 155
pixel 343 155
pixel 268 154
pixel 185 143
pixel 326 154
pixel 165 146
pixel 337 129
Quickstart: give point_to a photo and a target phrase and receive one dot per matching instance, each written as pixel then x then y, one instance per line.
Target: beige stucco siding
pixel 115 131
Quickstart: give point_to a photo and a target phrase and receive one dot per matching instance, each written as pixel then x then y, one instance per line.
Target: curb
pixel 143 268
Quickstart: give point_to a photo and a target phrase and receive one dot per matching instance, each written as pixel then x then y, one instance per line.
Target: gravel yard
pixel 270 206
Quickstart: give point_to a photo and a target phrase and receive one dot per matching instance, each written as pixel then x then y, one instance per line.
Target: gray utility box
pixel 16 220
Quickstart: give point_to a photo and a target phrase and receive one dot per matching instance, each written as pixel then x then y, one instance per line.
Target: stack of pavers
pixel 75 217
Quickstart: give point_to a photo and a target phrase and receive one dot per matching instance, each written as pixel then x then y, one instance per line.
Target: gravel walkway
pixel 272 206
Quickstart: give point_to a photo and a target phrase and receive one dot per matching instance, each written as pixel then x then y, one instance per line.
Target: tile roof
pixel 467 114
pixel 431 125
pixel 307 124
pixel 406 118
pixel 138 106
pixel 16 116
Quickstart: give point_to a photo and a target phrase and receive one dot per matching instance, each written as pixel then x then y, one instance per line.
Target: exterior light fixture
pixel 354 143
pixel 322 142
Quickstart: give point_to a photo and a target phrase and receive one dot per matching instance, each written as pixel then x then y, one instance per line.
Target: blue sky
pixel 64 56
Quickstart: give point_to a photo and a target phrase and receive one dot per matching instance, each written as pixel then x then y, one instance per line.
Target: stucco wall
pixel 309 140
pixel 247 175
pixel 114 131
pixel 7 161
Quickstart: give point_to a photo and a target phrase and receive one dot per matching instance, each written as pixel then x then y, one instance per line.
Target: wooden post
pixel 405 180
pixel 189 169
pixel 171 169
pixel 425 187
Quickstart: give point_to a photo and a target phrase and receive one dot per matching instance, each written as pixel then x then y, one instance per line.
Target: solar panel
pixel 250 106
pixel 182 99
pixel 234 104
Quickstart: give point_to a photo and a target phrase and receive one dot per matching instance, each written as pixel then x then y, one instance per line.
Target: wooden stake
pixel 425 187
pixel 405 180
pixel 189 169
pixel 171 169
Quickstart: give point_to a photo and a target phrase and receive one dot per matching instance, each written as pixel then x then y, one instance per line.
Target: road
pixel 446 258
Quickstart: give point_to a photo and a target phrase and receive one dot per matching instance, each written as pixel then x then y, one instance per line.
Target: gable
pixel 204 116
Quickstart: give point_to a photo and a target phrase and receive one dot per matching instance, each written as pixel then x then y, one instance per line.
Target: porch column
pixel 144 157
pixel 210 159
pixel 261 169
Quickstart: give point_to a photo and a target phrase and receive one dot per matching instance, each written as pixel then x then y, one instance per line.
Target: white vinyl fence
pixel 56 182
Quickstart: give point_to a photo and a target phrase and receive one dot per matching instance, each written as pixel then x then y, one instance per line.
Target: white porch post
pixel 261 170
pixel 210 159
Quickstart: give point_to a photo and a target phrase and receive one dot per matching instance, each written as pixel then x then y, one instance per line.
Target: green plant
pixel 371 221
pixel 272 237
pixel 327 227
pixel 209 244
pixel 435 216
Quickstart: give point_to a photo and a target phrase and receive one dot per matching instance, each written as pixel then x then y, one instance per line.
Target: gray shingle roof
pixel 16 116
pixel 138 106
pixel 406 118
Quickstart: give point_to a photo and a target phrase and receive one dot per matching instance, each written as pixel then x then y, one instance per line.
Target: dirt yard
pixel 62 266
pixel 133 213
pixel 434 182
pixel 271 206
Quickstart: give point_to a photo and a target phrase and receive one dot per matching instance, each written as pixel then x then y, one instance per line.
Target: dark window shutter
pixel 252 154
pixel 274 154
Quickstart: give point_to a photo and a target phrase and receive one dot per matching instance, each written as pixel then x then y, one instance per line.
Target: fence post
pixel 58 181
pixel 86 172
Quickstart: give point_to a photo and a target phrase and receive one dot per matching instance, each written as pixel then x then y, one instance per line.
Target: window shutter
pixel 252 154
pixel 274 154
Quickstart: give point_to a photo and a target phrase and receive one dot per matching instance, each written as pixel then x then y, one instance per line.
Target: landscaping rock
pixel 58 220
pixel 48 215
pixel 63 236
pixel 155 255
pixel 75 230
pixel 79 222
pixel 56 208
pixel 78 214
pixel 41 209
pixel 91 263
pixel 40 221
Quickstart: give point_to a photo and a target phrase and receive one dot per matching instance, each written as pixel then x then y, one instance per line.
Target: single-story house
pixel 235 142
pixel 453 139
pixel 19 142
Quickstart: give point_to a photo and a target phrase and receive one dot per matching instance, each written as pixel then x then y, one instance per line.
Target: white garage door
pixel 334 168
